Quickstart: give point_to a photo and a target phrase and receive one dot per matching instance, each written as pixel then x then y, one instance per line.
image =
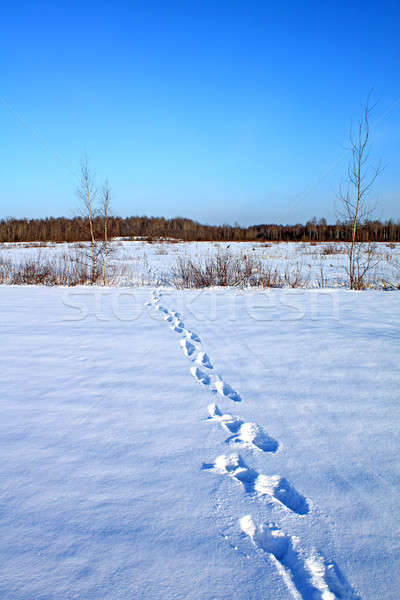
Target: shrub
pixel 65 270
pixel 223 269
pixel 294 277
pixel 329 249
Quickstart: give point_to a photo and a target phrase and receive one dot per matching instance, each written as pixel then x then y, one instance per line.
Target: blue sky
pixel 219 110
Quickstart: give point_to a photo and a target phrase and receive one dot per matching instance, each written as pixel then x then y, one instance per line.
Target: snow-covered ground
pixel 214 444
pixel 142 263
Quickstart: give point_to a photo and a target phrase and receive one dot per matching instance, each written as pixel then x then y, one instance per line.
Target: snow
pixel 150 264
pixel 122 477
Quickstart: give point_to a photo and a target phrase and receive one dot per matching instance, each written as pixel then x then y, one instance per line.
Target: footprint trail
pixel 308 576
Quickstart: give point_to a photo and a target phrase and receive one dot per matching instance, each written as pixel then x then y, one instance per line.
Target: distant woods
pixel 76 229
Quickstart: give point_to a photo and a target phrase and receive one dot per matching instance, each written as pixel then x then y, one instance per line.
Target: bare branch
pixel 360 181
pixel 87 193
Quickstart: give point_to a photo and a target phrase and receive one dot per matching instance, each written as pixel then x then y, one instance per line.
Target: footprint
pixel 224 389
pixel 214 411
pixel 267 537
pixel 203 360
pixel 228 422
pixel 176 329
pixel 308 576
pixel 252 434
pixel 163 309
pixel 176 315
pixel 277 488
pixel 154 300
pixel 231 464
pixel 187 347
pixel 192 336
pixel 200 375
pixel 178 323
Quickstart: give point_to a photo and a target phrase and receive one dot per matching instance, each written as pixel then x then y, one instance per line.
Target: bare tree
pixel 105 209
pixel 87 193
pixel 354 200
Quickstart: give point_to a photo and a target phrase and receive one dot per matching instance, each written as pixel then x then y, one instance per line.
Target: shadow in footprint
pixel 176 315
pixel 200 376
pixel 249 434
pixel 279 488
pixel 275 487
pixel 192 336
pixel 187 347
pixel 313 576
pixel 176 329
pixel 252 434
pixel 203 360
pixel 224 389
pixel 228 422
pixel 163 309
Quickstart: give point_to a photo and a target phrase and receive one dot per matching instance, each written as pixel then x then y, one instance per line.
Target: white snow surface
pixel 123 478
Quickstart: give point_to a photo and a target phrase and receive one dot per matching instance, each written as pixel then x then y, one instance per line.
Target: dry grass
pixel 332 248
pixel 65 270
pixel 231 270
pixel 294 276
pixel 224 270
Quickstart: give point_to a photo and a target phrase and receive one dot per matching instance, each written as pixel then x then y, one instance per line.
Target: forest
pixel 62 229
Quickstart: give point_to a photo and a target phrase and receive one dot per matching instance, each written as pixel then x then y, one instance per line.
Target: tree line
pixel 62 229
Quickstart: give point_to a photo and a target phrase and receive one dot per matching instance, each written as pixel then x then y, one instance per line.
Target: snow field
pixel 275 478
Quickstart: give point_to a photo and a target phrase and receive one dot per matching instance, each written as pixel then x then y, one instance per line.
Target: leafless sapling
pixel 360 179
pixel 105 209
pixel 87 193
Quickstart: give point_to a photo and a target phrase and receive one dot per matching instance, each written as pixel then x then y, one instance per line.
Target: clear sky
pixel 217 110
